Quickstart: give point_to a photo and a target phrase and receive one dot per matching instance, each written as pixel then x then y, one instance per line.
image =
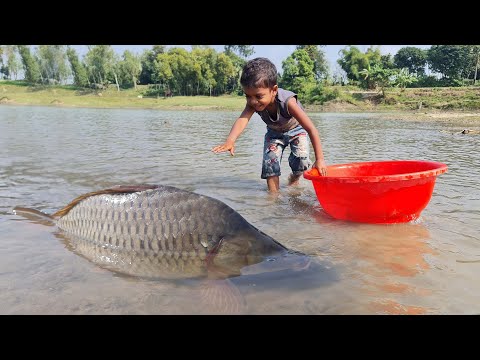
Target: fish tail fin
pixel 221 297
pixel 34 215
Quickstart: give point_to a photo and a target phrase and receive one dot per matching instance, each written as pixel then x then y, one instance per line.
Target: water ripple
pixel 51 155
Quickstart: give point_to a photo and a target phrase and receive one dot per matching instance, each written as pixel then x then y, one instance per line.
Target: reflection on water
pixel 51 155
pixel 385 258
pixel 388 263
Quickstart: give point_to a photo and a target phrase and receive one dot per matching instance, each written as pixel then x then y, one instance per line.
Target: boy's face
pixel 260 98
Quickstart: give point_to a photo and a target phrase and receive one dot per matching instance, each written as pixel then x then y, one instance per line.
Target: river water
pixel 50 155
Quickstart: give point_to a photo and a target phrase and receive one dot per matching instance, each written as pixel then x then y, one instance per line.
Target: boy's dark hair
pixel 259 72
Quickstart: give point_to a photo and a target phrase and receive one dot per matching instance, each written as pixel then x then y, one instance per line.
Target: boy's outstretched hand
pixel 228 146
pixel 321 167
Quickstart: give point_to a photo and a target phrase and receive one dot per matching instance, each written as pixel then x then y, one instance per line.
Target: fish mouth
pixel 302 265
pixel 298 260
pixel 286 261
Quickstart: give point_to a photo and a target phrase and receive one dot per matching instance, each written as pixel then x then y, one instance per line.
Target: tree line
pixel 205 71
pixel 449 65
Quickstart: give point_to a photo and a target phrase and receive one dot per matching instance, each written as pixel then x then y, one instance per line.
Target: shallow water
pixel 51 155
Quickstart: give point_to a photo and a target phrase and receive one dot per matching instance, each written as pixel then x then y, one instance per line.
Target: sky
pixel 276 53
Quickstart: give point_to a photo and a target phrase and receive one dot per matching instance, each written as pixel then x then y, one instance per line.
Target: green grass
pixel 350 99
pixel 18 93
pixel 464 98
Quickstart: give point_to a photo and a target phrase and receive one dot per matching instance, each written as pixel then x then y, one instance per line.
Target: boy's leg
pixel 272 155
pixel 273 183
pixel 293 179
pixel 299 159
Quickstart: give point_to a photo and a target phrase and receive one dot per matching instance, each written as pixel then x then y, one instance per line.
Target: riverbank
pixel 69 96
pixel 421 104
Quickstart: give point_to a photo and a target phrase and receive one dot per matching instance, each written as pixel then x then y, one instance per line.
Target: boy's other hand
pixel 225 147
pixel 321 167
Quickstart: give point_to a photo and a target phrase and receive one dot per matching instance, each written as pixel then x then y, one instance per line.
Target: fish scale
pixel 169 228
pixel 161 231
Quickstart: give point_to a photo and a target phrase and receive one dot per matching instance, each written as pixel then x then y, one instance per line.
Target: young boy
pixel 287 124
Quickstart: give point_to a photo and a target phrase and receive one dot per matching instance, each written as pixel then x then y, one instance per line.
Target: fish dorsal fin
pixel 118 189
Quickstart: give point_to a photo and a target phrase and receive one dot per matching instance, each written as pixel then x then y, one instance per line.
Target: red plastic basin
pixel 377 191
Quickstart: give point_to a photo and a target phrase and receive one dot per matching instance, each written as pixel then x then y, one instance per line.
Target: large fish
pixel 158 231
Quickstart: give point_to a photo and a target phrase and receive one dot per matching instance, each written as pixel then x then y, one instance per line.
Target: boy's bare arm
pixel 297 112
pixel 237 129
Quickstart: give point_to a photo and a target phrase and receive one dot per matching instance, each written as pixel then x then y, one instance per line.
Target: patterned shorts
pixel 274 145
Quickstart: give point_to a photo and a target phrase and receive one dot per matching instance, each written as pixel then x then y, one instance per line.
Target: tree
pixel 353 61
pixel 53 63
pixel 339 77
pixel 320 63
pixel 298 74
pixel 477 63
pixel 147 59
pixel 130 69
pixel 114 70
pixel 80 77
pixel 225 71
pixel 379 77
pixel 30 66
pixel 452 61
pixel 163 74
pixel 387 61
pixel 182 65
pixel 204 69
pixel 12 65
pixel 205 72
pixel 403 78
pixel 412 58
pixel 474 61
pixel 3 69
pixel 238 63
pixel 99 61
pixel 243 50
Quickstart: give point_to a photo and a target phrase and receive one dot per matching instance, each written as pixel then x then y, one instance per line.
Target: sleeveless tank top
pixel 284 121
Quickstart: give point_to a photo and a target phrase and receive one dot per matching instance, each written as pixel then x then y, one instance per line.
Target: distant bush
pixel 154 90
pixel 432 81
pixel 319 94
